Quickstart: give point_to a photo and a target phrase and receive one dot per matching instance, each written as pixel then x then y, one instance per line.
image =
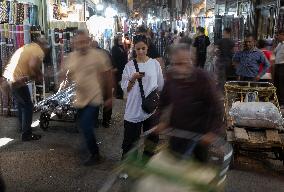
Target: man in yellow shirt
pixel 91 71
pixel 25 65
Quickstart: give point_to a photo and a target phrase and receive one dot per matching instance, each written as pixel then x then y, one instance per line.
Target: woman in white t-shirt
pixel 152 78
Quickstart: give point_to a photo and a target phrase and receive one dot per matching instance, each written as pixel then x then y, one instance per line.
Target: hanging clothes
pixel 20 13
pixel 11 12
pixel 4 15
pixel 27 34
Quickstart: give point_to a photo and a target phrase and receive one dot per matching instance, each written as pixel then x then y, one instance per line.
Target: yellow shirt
pixel 85 71
pixel 18 65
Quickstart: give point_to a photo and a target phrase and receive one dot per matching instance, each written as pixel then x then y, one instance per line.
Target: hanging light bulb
pixel 100 7
pixel 110 12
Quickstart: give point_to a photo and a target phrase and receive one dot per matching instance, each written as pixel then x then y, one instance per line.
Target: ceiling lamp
pixel 100 7
pixel 110 12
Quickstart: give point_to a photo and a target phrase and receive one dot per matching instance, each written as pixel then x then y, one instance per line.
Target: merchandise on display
pixel 60 40
pixel 17 28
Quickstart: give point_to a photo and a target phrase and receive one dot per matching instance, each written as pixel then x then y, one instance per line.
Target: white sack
pixel 256 114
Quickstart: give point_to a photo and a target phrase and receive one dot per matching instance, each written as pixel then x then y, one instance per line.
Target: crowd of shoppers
pixel 190 99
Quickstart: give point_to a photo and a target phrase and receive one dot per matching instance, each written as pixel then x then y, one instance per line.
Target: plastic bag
pixel 256 115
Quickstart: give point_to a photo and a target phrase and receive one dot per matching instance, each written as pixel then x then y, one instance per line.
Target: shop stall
pixel 19 25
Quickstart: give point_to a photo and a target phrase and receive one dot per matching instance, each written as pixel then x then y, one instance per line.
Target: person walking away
pixel 135 118
pixel 279 67
pixel 176 37
pixel 189 102
pixel 224 67
pixel 162 44
pixel 90 69
pixel 24 66
pixel 201 43
pixel 248 60
pixel 267 77
pixel 119 59
pixel 107 111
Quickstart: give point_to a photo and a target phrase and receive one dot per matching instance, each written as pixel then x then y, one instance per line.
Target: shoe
pixel 32 137
pixel 123 176
pixel 93 160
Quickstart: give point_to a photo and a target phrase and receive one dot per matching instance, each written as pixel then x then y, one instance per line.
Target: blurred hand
pixel 257 78
pixel 160 127
pixel 208 138
pixel 108 104
pixel 137 76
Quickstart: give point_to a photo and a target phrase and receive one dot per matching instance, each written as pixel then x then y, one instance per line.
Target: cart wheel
pixel 44 121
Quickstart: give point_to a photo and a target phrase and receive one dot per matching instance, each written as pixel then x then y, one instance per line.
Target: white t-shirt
pixel 153 80
pixel 279 53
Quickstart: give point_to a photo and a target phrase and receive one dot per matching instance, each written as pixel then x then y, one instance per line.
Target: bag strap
pixel 139 81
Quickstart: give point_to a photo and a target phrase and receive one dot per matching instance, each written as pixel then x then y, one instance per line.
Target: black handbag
pixel 149 103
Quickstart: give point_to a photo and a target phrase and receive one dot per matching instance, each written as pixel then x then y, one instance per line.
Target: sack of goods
pixel 256 115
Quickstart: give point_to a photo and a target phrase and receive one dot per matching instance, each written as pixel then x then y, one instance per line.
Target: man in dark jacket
pixel 201 43
pixel 224 65
pixel 119 59
pixel 191 103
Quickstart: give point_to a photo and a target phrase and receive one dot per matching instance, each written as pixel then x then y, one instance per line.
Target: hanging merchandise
pixel 4 14
pixel 16 30
pixel 20 14
pixel 280 23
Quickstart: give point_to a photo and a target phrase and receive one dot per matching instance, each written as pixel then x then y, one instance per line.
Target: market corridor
pixel 53 164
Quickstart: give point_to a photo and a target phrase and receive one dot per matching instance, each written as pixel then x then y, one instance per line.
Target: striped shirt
pixel 249 62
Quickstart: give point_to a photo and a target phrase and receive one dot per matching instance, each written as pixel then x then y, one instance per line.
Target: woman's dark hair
pixel 186 40
pixel 201 29
pixel 261 44
pixel 115 41
pixel 140 38
pixel 228 30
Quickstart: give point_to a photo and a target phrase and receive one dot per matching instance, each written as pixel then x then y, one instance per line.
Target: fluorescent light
pixel 110 12
pixel 100 7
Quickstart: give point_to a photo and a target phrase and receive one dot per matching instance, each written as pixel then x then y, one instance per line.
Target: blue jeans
pixel 25 109
pixel 88 117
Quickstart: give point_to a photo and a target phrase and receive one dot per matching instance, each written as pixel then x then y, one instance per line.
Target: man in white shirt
pixel 279 67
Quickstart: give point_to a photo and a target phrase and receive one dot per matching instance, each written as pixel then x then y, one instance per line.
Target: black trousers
pixel 279 82
pixel 132 132
pixel 107 113
pixel 25 109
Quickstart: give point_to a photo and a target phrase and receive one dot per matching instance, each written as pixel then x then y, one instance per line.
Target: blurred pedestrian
pixel 23 67
pixel 267 77
pixel 279 67
pixel 90 69
pixel 150 73
pixel 119 59
pixel 201 42
pixel 248 61
pixel 107 111
pixel 176 37
pixel 224 66
pixel 189 102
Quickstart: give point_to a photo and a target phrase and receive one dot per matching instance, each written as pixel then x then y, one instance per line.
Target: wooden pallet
pixel 268 137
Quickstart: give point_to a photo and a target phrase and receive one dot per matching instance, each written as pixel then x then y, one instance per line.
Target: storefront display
pixel 18 26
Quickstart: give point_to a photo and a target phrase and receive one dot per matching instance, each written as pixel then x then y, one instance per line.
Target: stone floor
pixel 54 162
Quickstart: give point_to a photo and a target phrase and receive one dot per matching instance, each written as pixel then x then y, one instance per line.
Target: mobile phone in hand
pixel 142 73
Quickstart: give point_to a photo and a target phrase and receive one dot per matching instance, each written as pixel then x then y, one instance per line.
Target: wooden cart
pixel 256 142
